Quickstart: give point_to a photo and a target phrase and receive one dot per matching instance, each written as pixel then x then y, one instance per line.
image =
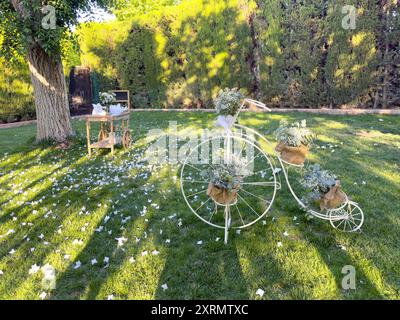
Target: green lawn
pixel 61 208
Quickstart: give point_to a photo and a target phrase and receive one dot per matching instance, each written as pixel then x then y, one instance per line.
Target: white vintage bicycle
pixel 257 191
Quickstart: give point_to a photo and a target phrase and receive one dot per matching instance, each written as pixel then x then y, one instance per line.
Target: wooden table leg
pixel 88 137
pixel 112 133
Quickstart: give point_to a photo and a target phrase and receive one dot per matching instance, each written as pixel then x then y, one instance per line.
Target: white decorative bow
pixel 225 121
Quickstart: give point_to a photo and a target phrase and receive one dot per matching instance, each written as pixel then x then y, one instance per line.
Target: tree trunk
pixel 50 93
pixel 385 76
pixel 254 59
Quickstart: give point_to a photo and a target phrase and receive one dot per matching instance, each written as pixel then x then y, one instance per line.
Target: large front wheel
pixel 255 193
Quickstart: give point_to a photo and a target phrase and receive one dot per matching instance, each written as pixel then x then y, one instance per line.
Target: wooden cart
pixel 113 130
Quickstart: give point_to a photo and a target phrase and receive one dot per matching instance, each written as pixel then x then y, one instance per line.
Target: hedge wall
pixel 287 53
pixel 16 100
pixel 181 55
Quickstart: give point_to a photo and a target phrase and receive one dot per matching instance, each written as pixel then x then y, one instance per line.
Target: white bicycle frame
pixel 333 215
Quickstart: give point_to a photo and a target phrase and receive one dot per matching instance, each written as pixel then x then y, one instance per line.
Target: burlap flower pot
pixel 294 155
pixel 333 198
pixel 222 196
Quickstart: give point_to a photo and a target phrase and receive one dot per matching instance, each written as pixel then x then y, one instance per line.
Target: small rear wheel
pixel 348 218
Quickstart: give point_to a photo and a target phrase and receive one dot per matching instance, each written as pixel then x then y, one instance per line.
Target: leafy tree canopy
pixel 21 23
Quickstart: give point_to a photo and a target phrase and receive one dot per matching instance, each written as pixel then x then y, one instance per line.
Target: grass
pixel 59 207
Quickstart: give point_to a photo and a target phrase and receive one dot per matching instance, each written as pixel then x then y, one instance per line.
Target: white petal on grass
pixel 279 244
pixel 164 286
pixel 34 269
pixel 200 242
pixel 93 262
pixel 77 242
pixel 43 295
pixel 77 265
pixel 260 292
pixel 155 252
pixel 121 241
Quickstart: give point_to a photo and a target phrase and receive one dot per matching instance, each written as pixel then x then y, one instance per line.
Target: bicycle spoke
pixel 239 154
pixel 202 204
pixel 240 215
pixel 343 220
pixel 252 194
pixel 194 167
pixel 264 170
pixel 195 181
pixel 248 205
pixel 252 159
pixel 215 211
pixel 193 194
pixel 260 183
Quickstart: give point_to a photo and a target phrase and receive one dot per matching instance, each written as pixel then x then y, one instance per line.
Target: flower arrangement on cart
pixel 238 189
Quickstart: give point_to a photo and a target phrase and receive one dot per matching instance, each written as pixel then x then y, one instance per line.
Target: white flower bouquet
pixel 228 101
pixel 294 134
pixel 107 98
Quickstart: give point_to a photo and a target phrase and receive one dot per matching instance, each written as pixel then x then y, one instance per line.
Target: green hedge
pixel 288 53
pixel 181 55
pixel 16 100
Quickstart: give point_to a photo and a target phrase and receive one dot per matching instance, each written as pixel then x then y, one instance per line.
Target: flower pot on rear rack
pixel 293 155
pixel 221 195
pixel 334 198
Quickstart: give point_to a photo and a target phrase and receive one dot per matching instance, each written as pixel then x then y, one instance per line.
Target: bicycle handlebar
pixel 256 103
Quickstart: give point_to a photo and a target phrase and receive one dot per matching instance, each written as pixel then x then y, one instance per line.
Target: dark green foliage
pixel 288 53
pixel 16 101
pixel 180 56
